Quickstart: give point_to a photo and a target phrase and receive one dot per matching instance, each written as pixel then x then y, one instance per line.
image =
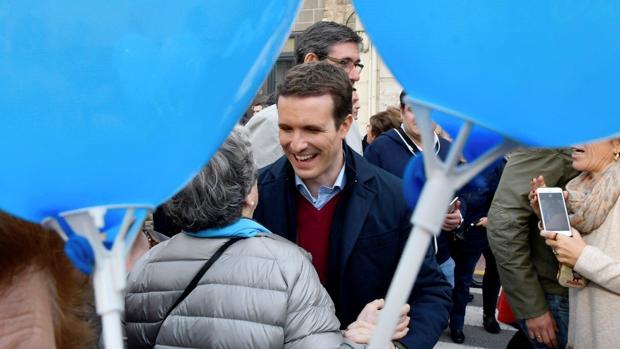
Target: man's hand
pixel 543 329
pixel 363 328
pixel 453 218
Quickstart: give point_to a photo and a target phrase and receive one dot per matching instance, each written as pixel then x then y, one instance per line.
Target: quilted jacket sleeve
pixel 311 320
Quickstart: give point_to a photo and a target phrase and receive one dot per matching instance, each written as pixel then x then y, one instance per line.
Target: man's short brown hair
pixel 320 37
pixel 316 79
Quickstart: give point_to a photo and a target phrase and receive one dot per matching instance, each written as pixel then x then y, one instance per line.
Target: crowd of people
pixel 340 201
pixel 290 235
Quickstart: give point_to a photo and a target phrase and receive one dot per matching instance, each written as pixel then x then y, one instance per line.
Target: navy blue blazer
pixel 479 194
pixel 390 153
pixel 369 229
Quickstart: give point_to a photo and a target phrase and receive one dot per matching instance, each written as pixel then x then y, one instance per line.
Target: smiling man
pixel 349 214
pixel 325 41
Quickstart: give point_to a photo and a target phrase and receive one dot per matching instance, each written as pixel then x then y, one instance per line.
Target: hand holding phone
pixel 553 210
pixel 452 205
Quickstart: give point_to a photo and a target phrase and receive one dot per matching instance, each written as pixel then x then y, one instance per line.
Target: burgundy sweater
pixel 313 227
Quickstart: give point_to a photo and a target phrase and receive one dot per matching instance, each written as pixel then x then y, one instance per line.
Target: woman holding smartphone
pixel 593 251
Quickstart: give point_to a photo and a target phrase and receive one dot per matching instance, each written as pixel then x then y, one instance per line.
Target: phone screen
pixel 553 211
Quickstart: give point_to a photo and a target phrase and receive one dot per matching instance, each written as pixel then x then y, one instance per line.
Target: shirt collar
pixel 338 184
pixel 435 141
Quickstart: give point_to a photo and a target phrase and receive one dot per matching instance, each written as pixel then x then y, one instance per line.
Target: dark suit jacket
pixel 390 153
pixel 369 229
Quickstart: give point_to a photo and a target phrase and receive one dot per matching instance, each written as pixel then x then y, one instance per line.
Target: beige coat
pixel 595 309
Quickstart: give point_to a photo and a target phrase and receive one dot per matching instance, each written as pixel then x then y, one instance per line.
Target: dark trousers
pixel 559 308
pixel 465 261
pixel 490 283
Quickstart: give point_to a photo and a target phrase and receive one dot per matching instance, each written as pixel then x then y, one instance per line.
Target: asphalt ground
pixel 475 335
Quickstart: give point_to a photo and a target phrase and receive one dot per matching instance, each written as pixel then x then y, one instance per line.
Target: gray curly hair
pixel 214 198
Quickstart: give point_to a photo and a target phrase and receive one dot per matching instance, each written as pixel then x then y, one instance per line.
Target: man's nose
pixel 298 143
pixel 354 75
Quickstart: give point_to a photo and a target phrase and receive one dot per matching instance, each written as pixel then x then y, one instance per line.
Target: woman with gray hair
pixel 262 292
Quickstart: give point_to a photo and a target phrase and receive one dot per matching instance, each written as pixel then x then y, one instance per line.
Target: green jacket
pixel 527 267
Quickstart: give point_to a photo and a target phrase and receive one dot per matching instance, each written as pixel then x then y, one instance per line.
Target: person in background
pixel 263 292
pixel 46 302
pixel 354 136
pixel 392 151
pixel 526 266
pixel 259 104
pixel 467 246
pixel 325 41
pixel 381 122
pixel 593 204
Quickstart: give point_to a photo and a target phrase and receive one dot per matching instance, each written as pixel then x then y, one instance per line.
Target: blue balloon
pixel 480 140
pixel 121 102
pixel 414 179
pixel 541 72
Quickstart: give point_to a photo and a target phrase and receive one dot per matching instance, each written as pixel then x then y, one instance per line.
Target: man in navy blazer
pixel 320 176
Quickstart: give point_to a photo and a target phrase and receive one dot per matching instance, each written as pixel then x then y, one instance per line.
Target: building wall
pixel 311 12
pixel 377 87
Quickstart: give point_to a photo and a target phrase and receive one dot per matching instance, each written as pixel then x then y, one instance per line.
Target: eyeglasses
pixel 346 64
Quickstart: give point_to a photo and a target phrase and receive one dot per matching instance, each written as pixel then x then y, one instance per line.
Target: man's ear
pixel 345 126
pixel 311 57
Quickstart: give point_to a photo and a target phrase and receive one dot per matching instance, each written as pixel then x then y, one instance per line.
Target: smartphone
pixel 452 204
pixel 553 210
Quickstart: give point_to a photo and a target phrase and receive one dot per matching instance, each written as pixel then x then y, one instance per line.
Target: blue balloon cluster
pixel 540 72
pixel 122 102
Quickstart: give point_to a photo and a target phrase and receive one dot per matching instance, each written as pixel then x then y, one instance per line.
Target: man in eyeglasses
pixel 323 41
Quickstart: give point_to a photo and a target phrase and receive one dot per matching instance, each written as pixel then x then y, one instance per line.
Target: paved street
pixel 475 335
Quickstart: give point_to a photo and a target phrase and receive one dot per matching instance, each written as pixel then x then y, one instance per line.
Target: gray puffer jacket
pixel 263 292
